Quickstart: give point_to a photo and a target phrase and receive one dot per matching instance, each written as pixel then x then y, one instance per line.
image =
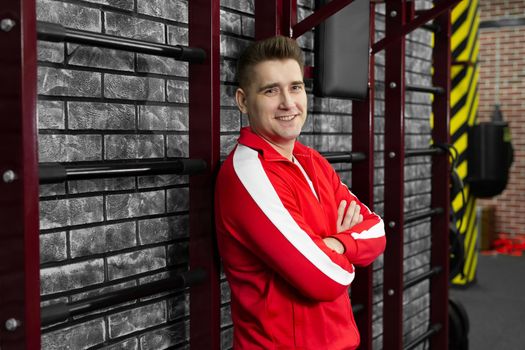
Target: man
pixel 288 230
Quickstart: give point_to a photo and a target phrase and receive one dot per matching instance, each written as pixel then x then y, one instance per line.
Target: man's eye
pixel 271 91
pixel 297 88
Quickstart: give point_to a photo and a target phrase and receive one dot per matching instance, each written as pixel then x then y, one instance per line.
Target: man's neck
pixel 284 150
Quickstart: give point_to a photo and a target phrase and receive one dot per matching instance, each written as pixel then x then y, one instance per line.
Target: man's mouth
pixel 286 118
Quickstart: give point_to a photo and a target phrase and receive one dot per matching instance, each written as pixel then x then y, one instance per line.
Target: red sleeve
pixel 263 216
pixel 365 241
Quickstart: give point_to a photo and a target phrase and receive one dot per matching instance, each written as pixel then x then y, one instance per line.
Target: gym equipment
pixel 342 50
pixel 490 155
pixel 458 326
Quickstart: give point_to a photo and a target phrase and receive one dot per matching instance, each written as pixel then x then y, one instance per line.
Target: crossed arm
pixel 346 219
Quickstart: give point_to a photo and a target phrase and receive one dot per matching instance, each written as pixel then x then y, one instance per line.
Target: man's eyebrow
pixel 267 86
pixel 272 85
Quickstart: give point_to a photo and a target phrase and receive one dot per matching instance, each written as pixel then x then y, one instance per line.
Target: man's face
pixel 275 101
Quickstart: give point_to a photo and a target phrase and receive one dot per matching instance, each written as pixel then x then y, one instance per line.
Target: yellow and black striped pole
pixel 464 104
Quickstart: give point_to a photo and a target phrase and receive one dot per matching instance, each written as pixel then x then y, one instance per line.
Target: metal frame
pixel 395 20
pixel 19 185
pixel 400 20
pixel 19 265
pixel 363 187
pixel 204 110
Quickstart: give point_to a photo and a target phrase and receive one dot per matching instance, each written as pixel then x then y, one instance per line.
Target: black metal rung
pixel 433 329
pixel 422 215
pixel 62 311
pixel 437 90
pixel 56 172
pixel 58 33
pixel 422 277
pixel 423 152
pixel 431 27
pixel 357 308
pixel 343 157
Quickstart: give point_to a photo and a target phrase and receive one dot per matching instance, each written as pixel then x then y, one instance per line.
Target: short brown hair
pixel 274 48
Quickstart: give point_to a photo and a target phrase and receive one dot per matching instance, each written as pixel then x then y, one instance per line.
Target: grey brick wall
pixel 107 105
pixel 98 104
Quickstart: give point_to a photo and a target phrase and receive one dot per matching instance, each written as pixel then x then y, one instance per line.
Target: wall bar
pixel 344 157
pixel 435 328
pixel 430 89
pixel 422 277
pixel 56 172
pixel 423 152
pixel 58 33
pixel 423 215
pixel 60 312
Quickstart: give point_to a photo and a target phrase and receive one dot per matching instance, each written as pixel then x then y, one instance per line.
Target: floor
pixel 495 304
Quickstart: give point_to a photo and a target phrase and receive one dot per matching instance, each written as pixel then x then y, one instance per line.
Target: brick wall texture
pixel 509 211
pixel 99 104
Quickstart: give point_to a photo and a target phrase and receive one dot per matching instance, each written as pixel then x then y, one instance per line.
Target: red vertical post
pixel 268 18
pixel 19 260
pixel 289 17
pixel 440 182
pixel 363 187
pixel 204 143
pixel 394 176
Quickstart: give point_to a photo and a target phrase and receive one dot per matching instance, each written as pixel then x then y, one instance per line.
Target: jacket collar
pixel 252 140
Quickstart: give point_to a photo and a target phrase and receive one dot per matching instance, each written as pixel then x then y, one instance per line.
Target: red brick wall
pixel 510 208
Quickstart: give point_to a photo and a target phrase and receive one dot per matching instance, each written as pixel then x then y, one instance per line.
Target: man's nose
pixel 287 100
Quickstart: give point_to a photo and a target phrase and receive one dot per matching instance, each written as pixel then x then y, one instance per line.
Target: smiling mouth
pixel 286 117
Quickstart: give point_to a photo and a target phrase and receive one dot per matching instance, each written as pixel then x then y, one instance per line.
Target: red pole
pixel 440 182
pixel 204 143
pixel 363 187
pixel 19 261
pixel 394 176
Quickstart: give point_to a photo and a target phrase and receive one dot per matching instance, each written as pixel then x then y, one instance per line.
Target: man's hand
pixel 334 244
pixel 350 218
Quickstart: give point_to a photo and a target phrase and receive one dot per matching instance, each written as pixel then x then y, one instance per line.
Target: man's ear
pixel 240 98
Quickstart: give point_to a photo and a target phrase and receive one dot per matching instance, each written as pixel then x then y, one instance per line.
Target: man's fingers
pixel 341 212
pixel 355 217
pixel 349 217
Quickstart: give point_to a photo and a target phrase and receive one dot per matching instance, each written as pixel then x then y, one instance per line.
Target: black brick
pixel 163 118
pixel 129 264
pixel 80 336
pixel 121 206
pixel 161 65
pixel 102 239
pixel 53 247
pixel 175 10
pixel 133 88
pixel 69 15
pixel 74 211
pixel 72 276
pixel 66 82
pixel 133 27
pixel 97 57
pixel 178 199
pixel 178 146
pixel 166 337
pixel 92 115
pixel 163 229
pixel 130 321
pixel 50 114
pixel 134 146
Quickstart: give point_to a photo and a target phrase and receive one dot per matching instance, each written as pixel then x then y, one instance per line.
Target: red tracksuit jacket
pixel 288 289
